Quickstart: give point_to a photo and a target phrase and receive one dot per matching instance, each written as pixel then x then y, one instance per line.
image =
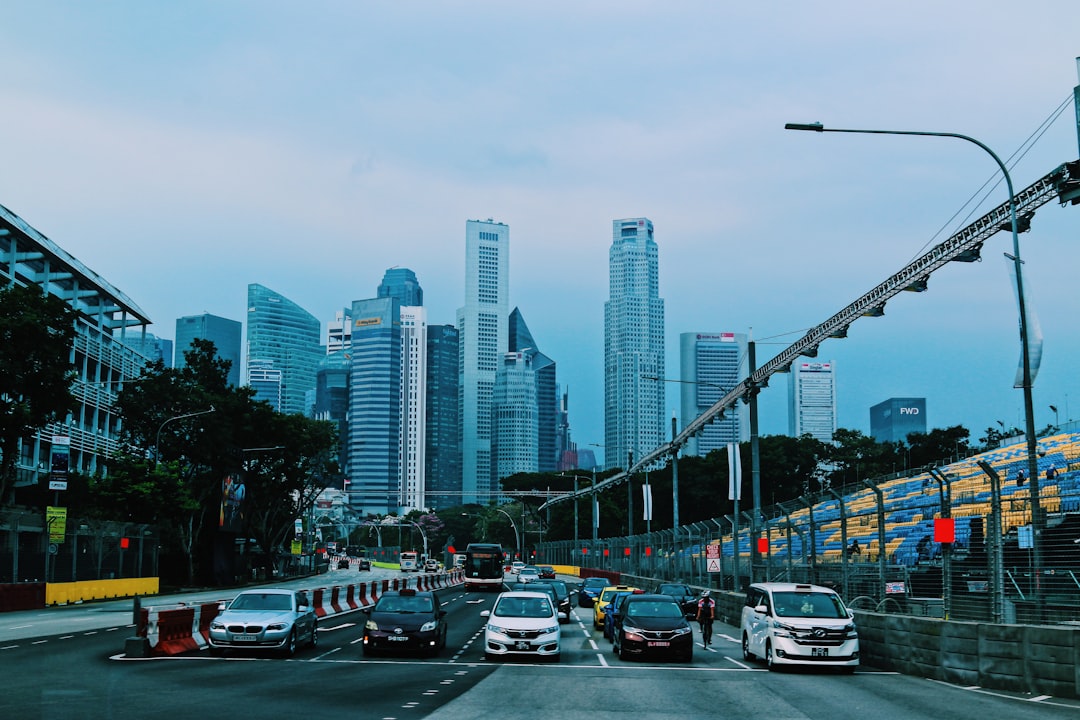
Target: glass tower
pixel 224 333
pixel 514 416
pixel 443 453
pixel 547 393
pixel 633 345
pixel 282 347
pixel 812 400
pixel 482 327
pixel 711 364
pixel 896 418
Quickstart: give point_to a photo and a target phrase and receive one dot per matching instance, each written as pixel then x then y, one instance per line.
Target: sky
pixel 185 150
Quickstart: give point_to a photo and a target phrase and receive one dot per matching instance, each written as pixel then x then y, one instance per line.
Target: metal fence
pixel 883 544
pixel 88 550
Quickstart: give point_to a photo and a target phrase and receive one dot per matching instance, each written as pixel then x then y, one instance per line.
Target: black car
pixel 405 620
pixel 562 604
pixel 563 591
pixel 683 594
pixel 590 589
pixel 653 625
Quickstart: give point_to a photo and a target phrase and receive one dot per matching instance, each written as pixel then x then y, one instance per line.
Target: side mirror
pixel 302 608
pixel 485 613
pixel 563 616
pixel 442 613
pixel 764 610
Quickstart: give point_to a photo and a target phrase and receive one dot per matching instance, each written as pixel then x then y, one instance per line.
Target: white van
pixel 792 623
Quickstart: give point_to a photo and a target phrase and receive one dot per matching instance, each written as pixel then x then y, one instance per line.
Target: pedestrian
pixel 1020 479
pixel 1051 472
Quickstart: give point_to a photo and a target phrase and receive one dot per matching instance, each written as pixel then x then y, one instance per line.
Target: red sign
pixel 450 549
pixel 626 552
pixel 648 551
pixel 763 545
pixel 605 552
pixel 944 530
pixel 124 543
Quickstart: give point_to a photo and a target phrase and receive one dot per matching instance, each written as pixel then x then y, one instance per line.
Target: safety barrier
pixel 172 629
pixel 21 596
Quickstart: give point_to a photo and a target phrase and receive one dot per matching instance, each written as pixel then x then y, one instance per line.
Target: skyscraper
pixel 633 345
pixel 282 347
pixel 896 418
pixel 482 326
pixel 401 283
pixel 547 394
pixel 375 406
pixel 514 417
pixel 812 400
pixel 332 399
pixel 711 364
pixel 224 333
pixel 443 454
pixel 413 408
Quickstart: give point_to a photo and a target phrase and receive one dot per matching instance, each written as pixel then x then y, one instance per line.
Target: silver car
pixel 265 619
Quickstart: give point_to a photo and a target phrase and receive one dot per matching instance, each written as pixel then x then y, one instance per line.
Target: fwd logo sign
pixel 909 411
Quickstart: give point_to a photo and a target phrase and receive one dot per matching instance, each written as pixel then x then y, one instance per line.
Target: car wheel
pixel 290 645
pixel 769 656
pixel 622 655
pixel 314 634
pixel 746 654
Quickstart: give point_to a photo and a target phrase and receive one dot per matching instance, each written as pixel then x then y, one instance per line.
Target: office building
pixel 483 328
pixel 152 348
pixel 442 455
pixel 224 333
pixel 812 400
pixel 547 393
pixel 402 284
pixel 339 332
pixel 413 418
pixel 283 348
pixel 332 401
pixel 710 365
pixel 104 356
pixel 514 417
pixel 893 420
pixel 634 407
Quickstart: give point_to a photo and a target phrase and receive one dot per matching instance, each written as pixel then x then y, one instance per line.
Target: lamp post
pixel 577 542
pixel 517 538
pixel 157 438
pixel 1025 350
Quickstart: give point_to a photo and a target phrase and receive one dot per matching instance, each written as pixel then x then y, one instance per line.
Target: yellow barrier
pixel 567 570
pixel 64 593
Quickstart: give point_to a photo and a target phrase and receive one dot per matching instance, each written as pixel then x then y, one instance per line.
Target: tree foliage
pixel 36 335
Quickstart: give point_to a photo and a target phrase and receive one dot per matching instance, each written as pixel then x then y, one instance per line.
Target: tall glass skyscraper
pixel 482 327
pixel 443 454
pixel 711 364
pixel 514 416
pixel 402 283
pixel 547 393
pixel 812 400
pixel 283 347
pixel 633 345
pixel 224 333
pixel 375 406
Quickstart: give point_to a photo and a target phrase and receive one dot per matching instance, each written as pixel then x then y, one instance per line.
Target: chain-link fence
pixel 956 541
pixel 85 550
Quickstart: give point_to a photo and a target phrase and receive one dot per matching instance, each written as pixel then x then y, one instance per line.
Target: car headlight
pixel 277 626
pixel 782 630
pixel 682 630
pixel 549 630
pixel 496 629
pixel 429 626
pixel 371 625
pixel 215 625
pixel 633 633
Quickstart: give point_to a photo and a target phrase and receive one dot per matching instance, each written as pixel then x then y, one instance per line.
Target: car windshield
pixel 403 604
pixel 560 588
pixel 673 590
pixel 261 601
pixel 658 609
pixel 595 583
pixel 808 604
pixel 523 607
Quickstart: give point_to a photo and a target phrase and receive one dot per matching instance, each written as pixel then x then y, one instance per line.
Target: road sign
pixel 712 564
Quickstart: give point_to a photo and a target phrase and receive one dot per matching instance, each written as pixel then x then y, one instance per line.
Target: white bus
pixel 409 561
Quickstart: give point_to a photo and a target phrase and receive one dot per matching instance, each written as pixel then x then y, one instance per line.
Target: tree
pixel 36 335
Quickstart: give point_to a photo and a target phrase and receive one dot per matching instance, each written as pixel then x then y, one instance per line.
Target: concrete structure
pixel 634 408
pixel 101 355
pixel 812 400
pixel 710 365
pixel 282 347
pixel 224 333
pixel 483 335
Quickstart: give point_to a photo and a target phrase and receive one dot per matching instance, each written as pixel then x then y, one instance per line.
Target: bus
pixel 484 566
pixel 409 561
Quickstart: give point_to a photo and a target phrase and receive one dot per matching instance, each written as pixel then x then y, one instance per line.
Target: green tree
pixel 36 334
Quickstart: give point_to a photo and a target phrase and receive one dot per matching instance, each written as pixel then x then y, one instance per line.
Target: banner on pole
pixel 734 467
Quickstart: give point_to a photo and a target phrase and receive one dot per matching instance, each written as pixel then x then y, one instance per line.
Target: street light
pixel 157 438
pixel 517 538
pixel 1025 350
pixel 595 521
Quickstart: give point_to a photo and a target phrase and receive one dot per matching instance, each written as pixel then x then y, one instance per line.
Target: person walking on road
pixel 706 611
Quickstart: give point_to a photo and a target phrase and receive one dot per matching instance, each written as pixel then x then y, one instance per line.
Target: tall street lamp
pixel 1025 350
pixel 517 538
pixel 595 520
pixel 157 438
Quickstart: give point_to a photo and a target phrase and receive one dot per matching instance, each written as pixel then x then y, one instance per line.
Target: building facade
pixel 710 365
pixel 224 333
pixel 283 347
pixel 547 392
pixel 103 355
pixel 483 335
pixel 514 417
pixel 442 455
pixel 634 407
pixel 812 400
pixel 894 419
pixel 413 434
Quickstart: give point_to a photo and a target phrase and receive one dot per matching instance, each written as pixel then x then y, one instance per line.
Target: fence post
pixel 997 563
pixel 881 534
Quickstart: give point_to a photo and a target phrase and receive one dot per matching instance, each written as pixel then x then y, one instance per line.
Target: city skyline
pixel 184 166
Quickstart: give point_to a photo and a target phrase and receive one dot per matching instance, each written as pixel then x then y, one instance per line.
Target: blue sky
pixel 184 150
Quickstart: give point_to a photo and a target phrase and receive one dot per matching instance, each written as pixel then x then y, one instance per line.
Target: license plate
pixel 819 652
pixel 397 638
pixel 245 638
pixel 659 643
pixel 521 645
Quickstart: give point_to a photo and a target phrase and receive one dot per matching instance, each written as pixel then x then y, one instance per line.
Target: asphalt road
pixel 82 673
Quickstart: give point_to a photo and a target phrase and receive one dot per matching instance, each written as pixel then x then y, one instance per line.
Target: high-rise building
pixel 634 409
pixel 547 394
pixel 339 332
pixel 332 400
pixel 402 283
pixel 482 326
pixel 443 453
pixel 283 346
pixel 375 406
pixel 152 347
pixel 413 419
pixel 224 333
pixel 894 419
pixel 812 400
pixel 710 365
pixel 514 417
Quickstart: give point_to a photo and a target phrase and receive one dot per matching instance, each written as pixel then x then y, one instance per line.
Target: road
pixel 82 673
